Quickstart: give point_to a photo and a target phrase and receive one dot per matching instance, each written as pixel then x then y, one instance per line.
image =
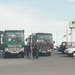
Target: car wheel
pixel 73 54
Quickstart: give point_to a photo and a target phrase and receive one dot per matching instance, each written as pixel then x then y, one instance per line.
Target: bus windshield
pixel 44 38
pixel 14 37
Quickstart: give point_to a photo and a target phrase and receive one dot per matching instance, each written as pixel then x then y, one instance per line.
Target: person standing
pixel 37 47
pixel 27 50
pixel 33 50
pixel 30 51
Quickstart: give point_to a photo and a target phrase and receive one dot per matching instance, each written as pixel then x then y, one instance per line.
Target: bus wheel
pixel 22 55
pixel 49 54
pixel 5 55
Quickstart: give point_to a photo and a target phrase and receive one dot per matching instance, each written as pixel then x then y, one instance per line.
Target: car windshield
pixel 44 38
pixel 14 37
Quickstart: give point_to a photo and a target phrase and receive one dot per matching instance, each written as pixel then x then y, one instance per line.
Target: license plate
pixel 43 51
pixel 14 50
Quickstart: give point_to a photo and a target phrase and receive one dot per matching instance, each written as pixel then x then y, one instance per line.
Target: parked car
pixel 70 51
pixel 66 45
pixel 58 48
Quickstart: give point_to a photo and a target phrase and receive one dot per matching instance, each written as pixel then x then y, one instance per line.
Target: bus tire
pixel 49 54
pixel 5 55
pixel 22 55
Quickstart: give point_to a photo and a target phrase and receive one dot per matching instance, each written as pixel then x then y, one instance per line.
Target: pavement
pixel 57 64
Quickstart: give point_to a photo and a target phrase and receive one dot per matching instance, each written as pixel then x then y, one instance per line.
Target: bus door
pixel 1 42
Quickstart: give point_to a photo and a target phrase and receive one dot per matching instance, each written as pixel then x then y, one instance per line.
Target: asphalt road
pixel 57 64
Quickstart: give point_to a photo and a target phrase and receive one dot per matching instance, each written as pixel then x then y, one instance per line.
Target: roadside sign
pixel 72 24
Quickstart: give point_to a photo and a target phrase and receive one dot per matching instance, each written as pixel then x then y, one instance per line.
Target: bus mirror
pixel 26 39
pixel 53 41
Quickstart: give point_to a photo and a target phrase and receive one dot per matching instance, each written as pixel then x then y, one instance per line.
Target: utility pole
pixel 67 31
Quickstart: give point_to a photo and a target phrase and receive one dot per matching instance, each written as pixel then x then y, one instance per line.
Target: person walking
pixel 37 47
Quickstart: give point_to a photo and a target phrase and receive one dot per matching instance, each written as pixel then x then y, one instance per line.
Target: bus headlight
pixel 50 50
pixel 22 49
pixel 6 49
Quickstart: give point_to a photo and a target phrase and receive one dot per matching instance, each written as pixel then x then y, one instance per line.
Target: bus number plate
pixel 43 51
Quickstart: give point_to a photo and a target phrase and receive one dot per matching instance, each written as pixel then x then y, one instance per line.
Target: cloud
pixel 27 16
pixel 30 19
pixel 30 22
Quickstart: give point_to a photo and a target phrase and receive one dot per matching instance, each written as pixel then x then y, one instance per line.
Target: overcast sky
pixel 33 16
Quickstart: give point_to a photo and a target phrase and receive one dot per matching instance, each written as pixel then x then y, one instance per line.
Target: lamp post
pixel 67 33
pixel 67 26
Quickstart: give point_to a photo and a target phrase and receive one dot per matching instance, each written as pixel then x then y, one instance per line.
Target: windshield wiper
pixel 17 39
pixel 46 40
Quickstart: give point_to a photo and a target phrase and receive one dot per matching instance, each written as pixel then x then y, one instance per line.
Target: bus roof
pixel 14 30
pixel 1 32
pixel 68 42
pixel 43 33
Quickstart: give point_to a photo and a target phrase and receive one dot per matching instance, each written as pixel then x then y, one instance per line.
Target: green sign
pixel 73 22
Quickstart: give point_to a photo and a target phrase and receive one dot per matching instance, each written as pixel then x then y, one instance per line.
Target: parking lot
pixel 57 64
